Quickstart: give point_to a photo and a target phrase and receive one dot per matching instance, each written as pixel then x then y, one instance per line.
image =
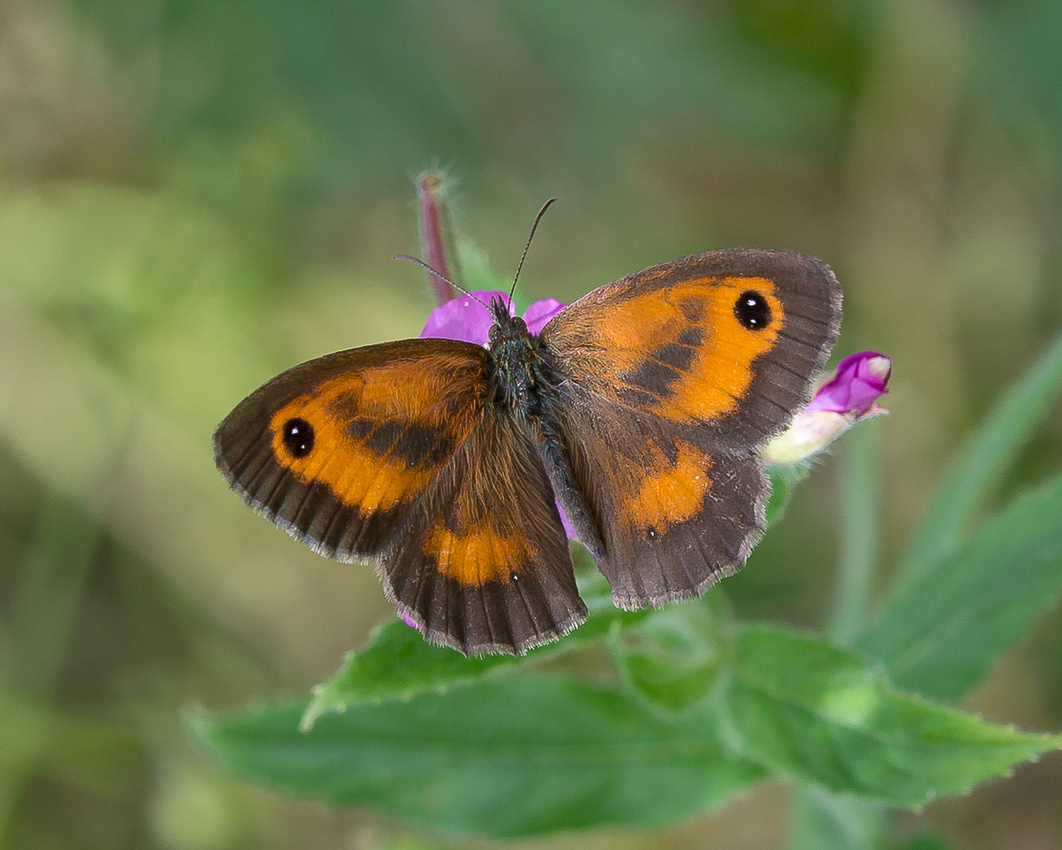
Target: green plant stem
pixel 859 511
pixel 820 820
pixel 61 550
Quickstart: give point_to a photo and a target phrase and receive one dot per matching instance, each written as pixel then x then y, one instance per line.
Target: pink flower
pixel 466 319
pixel 844 399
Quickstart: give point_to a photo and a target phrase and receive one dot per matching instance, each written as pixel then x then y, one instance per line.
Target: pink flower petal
pixel 462 318
pixel 465 319
pixel 540 312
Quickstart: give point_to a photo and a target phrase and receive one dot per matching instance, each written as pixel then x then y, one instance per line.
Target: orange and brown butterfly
pixel 641 410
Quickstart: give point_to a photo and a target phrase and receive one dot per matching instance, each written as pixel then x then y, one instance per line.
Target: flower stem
pixel 859 512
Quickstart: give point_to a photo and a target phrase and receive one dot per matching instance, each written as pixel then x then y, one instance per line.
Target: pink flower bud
pixel 861 379
pixel 844 399
pixel 435 243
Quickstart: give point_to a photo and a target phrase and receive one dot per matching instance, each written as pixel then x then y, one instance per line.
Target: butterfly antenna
pixel 439 275
pixel 527 245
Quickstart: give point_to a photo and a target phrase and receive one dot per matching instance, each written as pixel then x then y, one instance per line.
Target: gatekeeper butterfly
pixel 640 409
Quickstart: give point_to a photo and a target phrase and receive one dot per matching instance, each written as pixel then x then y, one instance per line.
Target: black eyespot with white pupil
pixel 752 310
pixel 298 437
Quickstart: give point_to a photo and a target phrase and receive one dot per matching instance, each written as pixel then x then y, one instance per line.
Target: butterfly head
pixel 505 326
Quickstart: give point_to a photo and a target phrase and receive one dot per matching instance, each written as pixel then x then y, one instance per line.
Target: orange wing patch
pixel 681 352
pixel 481 556
pixel 379 435
pixel 671 491
pixel 481 536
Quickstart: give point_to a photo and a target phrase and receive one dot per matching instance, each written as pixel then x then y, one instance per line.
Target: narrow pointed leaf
pixel 784 482
pixel 981 463
pixel 940 633
pixel 397 664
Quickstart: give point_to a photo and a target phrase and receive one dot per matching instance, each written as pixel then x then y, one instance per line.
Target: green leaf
pixel 941 631
pixel 672 658
pixel 398 663
pixel 507 756
pixel 819 714
pixel 927 841
pixel 981 464
pixel 824 821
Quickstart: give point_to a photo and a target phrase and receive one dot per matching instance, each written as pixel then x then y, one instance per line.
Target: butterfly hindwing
pixel 487 566
pixel 393 453
pixel 671 515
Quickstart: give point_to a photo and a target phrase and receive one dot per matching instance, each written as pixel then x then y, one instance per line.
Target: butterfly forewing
pixel 725 342
pixel 379 427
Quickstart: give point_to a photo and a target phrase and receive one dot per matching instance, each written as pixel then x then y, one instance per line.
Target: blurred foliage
pixel 195 195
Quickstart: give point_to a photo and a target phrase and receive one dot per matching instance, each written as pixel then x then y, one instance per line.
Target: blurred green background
pixel 195 195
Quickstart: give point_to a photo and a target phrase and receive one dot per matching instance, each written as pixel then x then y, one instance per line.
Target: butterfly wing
pixel 667 383
pixel 487 567
pixel 393 453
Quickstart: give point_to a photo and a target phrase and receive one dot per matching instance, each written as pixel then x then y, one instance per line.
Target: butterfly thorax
pixel 514 356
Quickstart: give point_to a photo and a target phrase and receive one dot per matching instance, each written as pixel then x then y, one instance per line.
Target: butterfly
pixel 640 410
